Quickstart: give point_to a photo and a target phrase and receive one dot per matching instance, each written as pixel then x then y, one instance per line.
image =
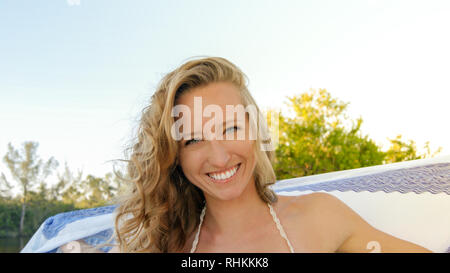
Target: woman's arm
pixel 78 247
pixel 360 236
pixel 81 247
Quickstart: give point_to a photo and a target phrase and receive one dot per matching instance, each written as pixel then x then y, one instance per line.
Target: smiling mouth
pixel 225 175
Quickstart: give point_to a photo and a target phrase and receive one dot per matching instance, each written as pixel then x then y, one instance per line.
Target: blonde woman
pixel 208 190
pixel 200 179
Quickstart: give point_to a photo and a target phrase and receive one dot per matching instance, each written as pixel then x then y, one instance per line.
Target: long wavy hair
pixel 162 208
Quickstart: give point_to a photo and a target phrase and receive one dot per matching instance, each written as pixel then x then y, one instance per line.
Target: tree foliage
pixel 28 170
pixel 23 214
pixel 401 150
pixel 317 136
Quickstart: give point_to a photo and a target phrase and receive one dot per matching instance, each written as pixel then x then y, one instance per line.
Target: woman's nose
pixel 218 155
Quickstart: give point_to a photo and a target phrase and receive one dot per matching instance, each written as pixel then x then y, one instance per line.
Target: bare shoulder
pixel 338 228
pixel 327 210
pixel 315 196
pixel 317 202
pixel 317 220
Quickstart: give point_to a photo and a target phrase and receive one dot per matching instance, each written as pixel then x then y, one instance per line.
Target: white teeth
pixel 225 175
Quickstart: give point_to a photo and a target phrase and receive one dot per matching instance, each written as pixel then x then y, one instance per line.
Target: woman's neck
pixel 228 219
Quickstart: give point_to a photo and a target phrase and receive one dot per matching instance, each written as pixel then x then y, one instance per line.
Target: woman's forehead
pixel 220 94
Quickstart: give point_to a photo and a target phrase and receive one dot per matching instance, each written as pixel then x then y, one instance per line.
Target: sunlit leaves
pixel 316 136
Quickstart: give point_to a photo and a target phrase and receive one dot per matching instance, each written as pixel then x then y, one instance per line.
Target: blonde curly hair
pixel 162 207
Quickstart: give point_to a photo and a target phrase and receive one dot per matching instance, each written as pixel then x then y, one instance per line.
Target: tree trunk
pixel 22 218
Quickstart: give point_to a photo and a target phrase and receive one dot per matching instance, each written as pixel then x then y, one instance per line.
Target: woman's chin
pixel 228 194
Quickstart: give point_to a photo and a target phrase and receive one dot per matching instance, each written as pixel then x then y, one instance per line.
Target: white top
pixel 275 219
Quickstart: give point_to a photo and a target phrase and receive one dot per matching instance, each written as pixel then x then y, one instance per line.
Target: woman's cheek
pixel 247 145
pixel 190 163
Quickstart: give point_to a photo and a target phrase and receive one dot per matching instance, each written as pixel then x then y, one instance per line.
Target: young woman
pixel 200 179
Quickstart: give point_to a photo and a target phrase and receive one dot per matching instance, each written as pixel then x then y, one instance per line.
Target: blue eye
pixel 192 141
pixel 231 129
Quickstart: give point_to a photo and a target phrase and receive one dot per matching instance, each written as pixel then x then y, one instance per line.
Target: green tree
pixel 318 137
pixel 400 150
pixel 29 172
pixel 98 191
pixel 68 189
pixel 87 192
pixel 5 187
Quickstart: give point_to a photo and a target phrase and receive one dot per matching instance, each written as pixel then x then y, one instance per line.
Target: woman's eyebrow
pixel 231 121
pixel 191 135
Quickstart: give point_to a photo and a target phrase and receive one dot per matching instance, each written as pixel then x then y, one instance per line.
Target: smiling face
pixel 220 160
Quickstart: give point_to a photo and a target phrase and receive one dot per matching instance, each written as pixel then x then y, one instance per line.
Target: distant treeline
pixel 36 213
pixel 22 215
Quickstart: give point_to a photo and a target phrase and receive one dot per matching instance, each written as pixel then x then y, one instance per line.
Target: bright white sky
pixel 75 77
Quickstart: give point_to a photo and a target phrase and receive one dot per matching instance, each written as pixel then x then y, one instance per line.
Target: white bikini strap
pixel 280 228
pixel 272 212
pixel 194 244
